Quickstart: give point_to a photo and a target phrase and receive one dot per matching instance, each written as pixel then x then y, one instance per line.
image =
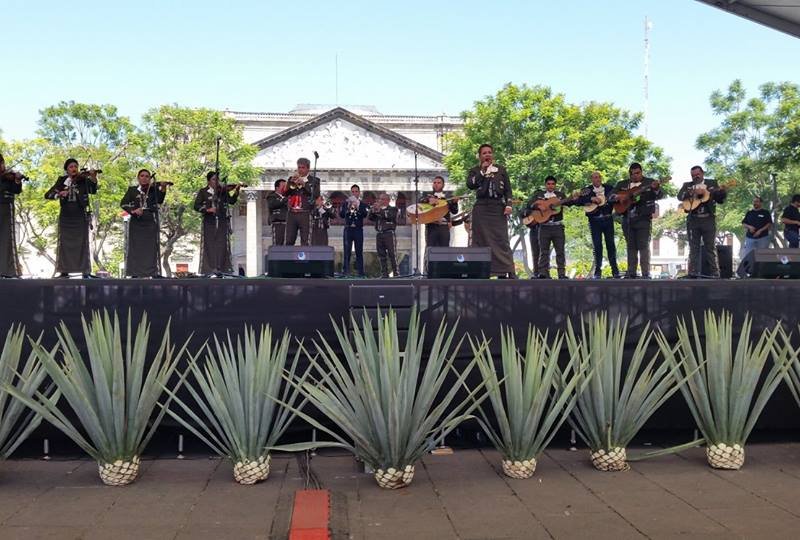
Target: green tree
pixel 181 149
pixel 536 132
pixel 757 143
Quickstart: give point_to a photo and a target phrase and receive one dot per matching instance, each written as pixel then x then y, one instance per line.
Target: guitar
pixel 591 207
pixel 696 199
pixel 544 209
pixel 625 198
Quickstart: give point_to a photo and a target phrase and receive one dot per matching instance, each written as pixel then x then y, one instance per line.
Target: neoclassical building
pixel 356 145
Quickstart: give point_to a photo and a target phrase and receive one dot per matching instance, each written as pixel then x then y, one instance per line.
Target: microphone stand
pixel 416 273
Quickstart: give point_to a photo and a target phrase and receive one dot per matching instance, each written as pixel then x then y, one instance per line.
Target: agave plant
pixel 722 379
pixel 388 398
pixel 611 409
pixel 238 419
pixel 530 400
pixel 16 420
pixel 112 392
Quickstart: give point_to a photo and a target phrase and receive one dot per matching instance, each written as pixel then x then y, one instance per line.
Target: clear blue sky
pixel 408 57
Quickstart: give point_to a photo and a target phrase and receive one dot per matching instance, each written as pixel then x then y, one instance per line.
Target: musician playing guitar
pixel 641 193
pixel 551 231
pixel 595 198
pixel 701 225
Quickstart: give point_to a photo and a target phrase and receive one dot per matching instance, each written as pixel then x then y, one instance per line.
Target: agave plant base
pixel 723 456
pixel 610 460
pixel 250 472
pixel 519 469
pixel 393 478
pixel 119 473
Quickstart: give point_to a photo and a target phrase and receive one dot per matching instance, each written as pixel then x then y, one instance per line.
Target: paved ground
pixel 460 496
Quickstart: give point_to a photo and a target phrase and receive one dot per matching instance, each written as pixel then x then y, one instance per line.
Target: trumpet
pixel 298 181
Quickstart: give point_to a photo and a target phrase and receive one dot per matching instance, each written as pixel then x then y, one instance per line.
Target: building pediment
pixel 344 141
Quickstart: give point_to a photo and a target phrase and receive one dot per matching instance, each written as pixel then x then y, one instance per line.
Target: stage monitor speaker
pixel 370 299
pixel 300 261
pixel 459 263
pixel 724 260
pixel 773 263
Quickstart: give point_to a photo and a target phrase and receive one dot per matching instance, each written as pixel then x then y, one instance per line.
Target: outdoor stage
pixel 305 306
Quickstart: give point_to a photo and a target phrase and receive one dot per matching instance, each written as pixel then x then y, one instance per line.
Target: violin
pixel 231 187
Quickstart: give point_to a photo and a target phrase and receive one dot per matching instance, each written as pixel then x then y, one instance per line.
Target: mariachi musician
pixel 301 190
pixel 10 186
pixel 601 223
pixel 437 234
pixel 142 203
pixel 551 231
pixel 278 208
pixel 385 218
pixel 215 246
pixel 73 190
pixel 321 217
pixel 490 214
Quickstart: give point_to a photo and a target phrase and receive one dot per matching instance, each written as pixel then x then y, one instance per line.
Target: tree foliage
pixel 536 132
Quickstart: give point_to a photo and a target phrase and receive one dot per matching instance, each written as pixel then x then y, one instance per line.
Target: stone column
pixel 253 249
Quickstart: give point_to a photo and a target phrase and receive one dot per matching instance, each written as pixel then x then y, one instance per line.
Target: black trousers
pixel 319 237
pixel 385 244
pixel 279 233
pixel 637 238
pixel 702 233
pixel 534 237
pixel 437 235
pixel 298 221
pixel 552 234
pixel 354 237
pixel 603 228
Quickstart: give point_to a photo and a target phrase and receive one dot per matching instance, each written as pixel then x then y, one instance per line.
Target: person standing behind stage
pixel 385 218
pixel 757 223
pixel 141 202
pixel 301 190
pixel 490 214
pixel 321 217
pixel 10 186
pixel 637 221
pixel 74 219
pixel 701 223
pixel 354 211
pixel 437 234
pixel 552 231
pixel 791 222
pixel 601 224
pixel 278 208
pixel 215 248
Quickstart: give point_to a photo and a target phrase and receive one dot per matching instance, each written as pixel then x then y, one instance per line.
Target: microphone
pixel 316 155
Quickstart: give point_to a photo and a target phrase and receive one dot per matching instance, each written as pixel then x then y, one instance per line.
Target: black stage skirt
pixel 143 252
pixel 72 254
pixel 490 229
pixel 8 245
pixel 215 254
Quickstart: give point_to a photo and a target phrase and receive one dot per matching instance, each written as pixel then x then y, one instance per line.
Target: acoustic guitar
pixel 544 209
pixel 625 198
pixel 696 199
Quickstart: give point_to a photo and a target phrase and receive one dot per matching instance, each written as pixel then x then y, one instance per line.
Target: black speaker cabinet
pixel 371 299
pixel 300 261
pixel 772 263
pixel 455 262
pixel 724 259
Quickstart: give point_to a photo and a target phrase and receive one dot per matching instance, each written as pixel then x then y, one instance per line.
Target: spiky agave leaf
pixel 233 388
pixel 16 420
pixel 387 398
pixel 612 408
pixel 112 391
pixel 722 376
pixel 533 396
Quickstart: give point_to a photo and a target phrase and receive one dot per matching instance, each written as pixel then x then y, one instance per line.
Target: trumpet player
pixel 353 212
pixel 385 218
pixel 301 191
pixel 10 186
pixel 320 221
pixel 72 191
pixel 278 208
pixel 141 202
